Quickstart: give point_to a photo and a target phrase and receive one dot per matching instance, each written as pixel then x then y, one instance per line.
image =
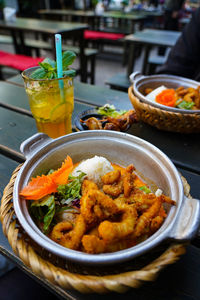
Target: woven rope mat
pixel 57 271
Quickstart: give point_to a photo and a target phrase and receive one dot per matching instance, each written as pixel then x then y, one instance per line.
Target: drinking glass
pixel 51 103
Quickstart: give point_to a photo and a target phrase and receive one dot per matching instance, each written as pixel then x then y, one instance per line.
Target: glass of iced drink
pixel 51 103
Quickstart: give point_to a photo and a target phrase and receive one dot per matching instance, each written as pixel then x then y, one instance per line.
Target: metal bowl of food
pixel 141 83
pixel 43 153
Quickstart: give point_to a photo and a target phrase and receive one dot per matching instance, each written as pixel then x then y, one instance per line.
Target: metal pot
pixel 140 83
pixel 43 153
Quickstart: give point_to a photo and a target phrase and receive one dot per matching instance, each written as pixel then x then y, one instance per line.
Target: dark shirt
pixel 184 58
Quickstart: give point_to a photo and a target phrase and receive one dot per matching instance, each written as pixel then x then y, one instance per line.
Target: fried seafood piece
pixel 181 91
pixel 69 237
pixel 142 201
pixel 88 185
pixel 130 168
pixel 162 212
pixel 67 216
pixel 125 120
pixel 59 231
pixel 92 123
pixel 94 245
pixel 113 190
pixel 111 177
pixel 96 206
pixel 148 91
pixel 145 219
pixel 112 231
pixel 111 126
pixel 156 223
pixel 128 183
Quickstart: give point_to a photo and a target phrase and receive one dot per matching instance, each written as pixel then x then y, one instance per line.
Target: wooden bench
pixel 17 61
pixel 119 82
pixel 100 38
pixel 89 53
pixel 5 39
pixel 154 61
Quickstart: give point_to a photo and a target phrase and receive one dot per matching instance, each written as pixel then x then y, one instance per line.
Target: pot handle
pixel 34 143
pixel 134 75
pixel 189 220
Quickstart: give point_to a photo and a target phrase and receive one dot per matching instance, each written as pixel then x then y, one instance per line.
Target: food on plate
pixel 183 98
pixel 95 206
pixel 110 119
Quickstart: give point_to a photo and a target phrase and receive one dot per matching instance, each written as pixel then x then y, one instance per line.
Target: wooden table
pixel 148 38
pixel 178 281
pixel 98 22
pixel 21 26
pixel 85 16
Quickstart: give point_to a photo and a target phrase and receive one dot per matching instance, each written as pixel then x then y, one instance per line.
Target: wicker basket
pixel 164 120
pixel 63 274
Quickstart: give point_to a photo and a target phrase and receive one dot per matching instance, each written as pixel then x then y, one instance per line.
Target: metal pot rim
pixel 145 79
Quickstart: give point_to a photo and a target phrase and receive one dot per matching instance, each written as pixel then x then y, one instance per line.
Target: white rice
pixel 94 168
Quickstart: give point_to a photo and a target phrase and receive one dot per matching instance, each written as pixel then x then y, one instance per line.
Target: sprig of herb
pixel 145 189
pixel 48 67
pixel 110 111
pixel 184 104
pixel 71 190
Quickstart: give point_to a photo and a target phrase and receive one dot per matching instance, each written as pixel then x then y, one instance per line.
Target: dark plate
pixel 86 115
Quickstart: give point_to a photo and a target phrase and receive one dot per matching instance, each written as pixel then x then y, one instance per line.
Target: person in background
pixel 184 58
pixel 171 15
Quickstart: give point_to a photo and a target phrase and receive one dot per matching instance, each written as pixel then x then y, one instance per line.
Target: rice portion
pixel 94 168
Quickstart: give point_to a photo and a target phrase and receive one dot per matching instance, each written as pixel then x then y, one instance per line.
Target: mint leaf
pixel 70 73
pixel 38 74
pixel 67 59
pixel 48 67
pixel 50 61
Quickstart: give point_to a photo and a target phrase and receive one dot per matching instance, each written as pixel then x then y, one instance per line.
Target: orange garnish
pixel 39 187
pixel 60 176
pixel 46 184
pixel 166 97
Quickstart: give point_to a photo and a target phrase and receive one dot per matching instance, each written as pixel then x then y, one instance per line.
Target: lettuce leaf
pixel 43 211
pixel 110 111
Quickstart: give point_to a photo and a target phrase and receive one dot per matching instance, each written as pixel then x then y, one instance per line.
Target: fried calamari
pixel 118 214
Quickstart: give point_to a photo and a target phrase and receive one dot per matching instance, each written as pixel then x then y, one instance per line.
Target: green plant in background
pixel 95 2
pixel 125 2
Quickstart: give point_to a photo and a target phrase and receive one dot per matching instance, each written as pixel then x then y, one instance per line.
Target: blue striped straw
pixel 58 42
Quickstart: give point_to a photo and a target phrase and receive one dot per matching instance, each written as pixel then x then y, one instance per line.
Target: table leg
pixel 83 59
pixel 132 29
pixel 145 61
pixel 53 46
pixel 131 59
pixel 24 49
